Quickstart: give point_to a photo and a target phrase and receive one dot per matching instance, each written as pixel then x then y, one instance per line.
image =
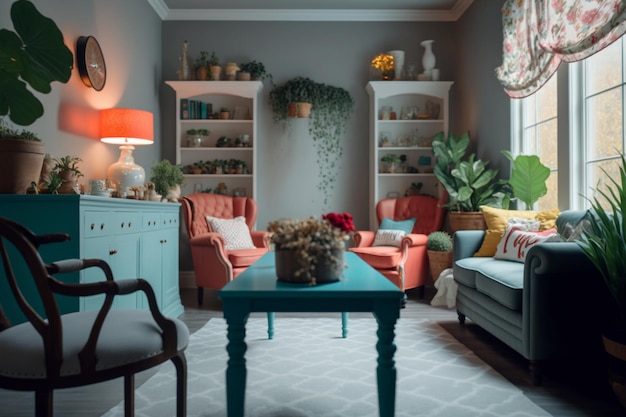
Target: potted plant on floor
pixel 605 246
pixel 467 180
pixel 528 178
pixel 439 249
pixel 35 55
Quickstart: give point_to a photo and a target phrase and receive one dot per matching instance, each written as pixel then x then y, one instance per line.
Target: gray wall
pixel 129 33
pixel 481 106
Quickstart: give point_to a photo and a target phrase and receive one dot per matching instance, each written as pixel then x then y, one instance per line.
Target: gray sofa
pixel 534 307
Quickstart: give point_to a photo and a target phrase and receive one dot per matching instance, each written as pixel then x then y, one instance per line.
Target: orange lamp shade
pixel 126 127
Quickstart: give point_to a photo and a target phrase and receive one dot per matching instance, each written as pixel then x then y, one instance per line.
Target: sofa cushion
pixel 501 280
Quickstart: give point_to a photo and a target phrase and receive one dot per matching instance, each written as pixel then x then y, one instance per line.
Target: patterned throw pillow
pixel 234 231
pixel 516 242
pixel 388 237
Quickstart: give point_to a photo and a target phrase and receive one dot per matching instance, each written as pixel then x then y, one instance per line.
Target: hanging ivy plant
pixel 332 108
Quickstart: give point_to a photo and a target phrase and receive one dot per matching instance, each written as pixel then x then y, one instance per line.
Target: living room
pixel 142 44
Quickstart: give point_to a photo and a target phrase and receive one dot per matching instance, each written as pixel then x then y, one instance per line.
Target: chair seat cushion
pixel 127 336
pixel 245 257
pixel 380 257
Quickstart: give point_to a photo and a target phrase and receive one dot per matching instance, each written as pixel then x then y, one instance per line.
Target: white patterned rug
pixel 308 370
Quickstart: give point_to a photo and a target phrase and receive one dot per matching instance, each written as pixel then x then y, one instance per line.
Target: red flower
pixel 341 221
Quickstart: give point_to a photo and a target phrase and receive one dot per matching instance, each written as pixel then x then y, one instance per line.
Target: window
pixel 575 124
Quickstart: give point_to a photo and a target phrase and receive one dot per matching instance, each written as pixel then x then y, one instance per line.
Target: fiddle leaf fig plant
pixel 528 178
pixel 468 181
pixel 34 55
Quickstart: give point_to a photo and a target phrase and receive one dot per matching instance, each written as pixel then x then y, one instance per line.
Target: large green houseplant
pixel 528 178
pixel 605 246
pixel 467 180
pixel 34 55
pixel 331 109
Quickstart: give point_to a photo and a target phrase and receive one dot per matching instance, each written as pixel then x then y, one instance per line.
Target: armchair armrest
pixel 465 243
pixel 110 288
pixel 363 238
pixel 260 238
pixel 414 239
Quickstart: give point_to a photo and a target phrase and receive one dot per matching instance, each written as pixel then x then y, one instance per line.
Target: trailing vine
pixel 332 109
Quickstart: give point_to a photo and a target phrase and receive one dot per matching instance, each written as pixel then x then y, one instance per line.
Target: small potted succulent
pixel 439 249
pixel 66 168
pixel 392 162
pixel 202 66
pixel 214 67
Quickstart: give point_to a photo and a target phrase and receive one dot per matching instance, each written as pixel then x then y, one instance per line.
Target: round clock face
pixel 90 60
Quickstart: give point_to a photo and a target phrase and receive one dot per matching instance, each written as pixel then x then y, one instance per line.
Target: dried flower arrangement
pixel 385 63
pixel 312 240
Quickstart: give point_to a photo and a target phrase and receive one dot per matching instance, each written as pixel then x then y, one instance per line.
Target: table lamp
pixel 126 127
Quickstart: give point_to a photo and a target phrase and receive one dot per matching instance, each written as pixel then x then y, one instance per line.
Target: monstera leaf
pixel 35 56
pixel 528 178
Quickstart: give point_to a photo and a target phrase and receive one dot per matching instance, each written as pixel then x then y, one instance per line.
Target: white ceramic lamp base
pixel 125 173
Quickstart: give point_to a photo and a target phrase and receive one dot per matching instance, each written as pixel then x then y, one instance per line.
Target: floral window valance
pixel 539 34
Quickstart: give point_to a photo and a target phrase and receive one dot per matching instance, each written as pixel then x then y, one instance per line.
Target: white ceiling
pixel 312 10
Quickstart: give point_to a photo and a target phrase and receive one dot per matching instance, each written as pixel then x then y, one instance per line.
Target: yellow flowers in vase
pixel 385 64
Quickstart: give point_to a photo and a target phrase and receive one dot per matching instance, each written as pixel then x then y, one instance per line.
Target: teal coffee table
pixel 362 289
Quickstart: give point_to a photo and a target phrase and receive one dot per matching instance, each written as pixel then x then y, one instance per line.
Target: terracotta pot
pixel 69 179
pixel 616 363
pixel 466 221
pixel 202 73
pixel 20 164
pixel 216 73
pixel 300 109
pixel 243 76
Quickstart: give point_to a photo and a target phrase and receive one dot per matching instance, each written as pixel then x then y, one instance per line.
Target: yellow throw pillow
pixel 548 218
pixel 496 220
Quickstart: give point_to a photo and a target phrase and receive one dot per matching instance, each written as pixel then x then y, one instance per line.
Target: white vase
pixel 428 59
pixel 398 63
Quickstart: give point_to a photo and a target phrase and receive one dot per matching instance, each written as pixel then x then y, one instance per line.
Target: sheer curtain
pixel 539 34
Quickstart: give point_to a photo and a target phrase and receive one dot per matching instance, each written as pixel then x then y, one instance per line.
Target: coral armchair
pixel 214 265
pixel 406 265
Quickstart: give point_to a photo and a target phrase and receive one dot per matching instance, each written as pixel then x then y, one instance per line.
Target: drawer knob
pixel 112 252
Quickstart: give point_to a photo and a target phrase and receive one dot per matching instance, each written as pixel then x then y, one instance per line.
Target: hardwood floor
pixel 567 390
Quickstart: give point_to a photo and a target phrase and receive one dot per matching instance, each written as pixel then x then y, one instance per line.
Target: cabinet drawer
pixel 126 222
pixel 151 221
pixel 98 223
pixel 169 220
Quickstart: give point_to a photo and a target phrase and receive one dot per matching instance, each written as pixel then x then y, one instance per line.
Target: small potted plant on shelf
pixel 167 179
pixel 392 162
pixel 202 66
pixel 224 113
pixel 439 249
pixel 196 137
pixel 256 71
pixel 214 67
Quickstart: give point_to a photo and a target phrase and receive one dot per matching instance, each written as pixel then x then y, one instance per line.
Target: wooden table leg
pixel 236 369
pixel 386 370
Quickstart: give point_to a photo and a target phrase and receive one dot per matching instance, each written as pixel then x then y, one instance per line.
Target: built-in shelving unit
pixel 241 98
pixel 404 116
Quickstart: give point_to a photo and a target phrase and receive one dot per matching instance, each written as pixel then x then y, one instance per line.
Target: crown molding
pixel 311 15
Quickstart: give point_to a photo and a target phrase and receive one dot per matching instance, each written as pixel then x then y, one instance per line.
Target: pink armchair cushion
pixel 245 257
pixel 380 257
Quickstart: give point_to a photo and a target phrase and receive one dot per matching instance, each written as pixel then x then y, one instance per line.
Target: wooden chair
pixel 214 265
pixel 407 265
pixel 52 350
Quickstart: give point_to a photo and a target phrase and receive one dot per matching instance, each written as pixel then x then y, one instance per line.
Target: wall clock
pixel 90 60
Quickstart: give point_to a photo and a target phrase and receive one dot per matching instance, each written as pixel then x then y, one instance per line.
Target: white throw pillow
pixel 388 237
pixel 516 242
pixel 234 231
pixel 530 225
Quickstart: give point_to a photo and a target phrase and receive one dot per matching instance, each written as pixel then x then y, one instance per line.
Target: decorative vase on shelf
pixel 428 59
pixel 398 63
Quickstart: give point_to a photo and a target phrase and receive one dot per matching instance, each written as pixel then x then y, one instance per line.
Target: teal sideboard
pixel 137 238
